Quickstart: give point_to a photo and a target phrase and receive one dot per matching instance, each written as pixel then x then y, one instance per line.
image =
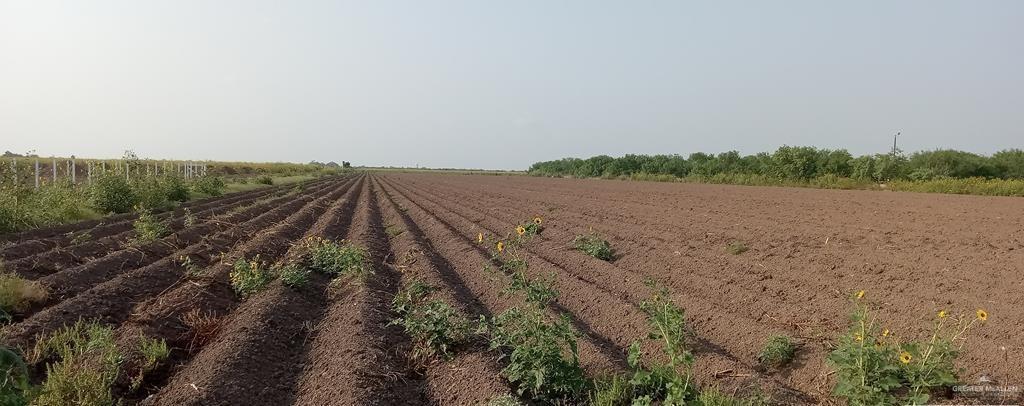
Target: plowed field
pixel 913 254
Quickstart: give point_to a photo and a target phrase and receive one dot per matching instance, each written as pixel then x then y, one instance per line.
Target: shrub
pixel 594 246
pixel 112 194
pixel 250 277
pixel 265 180
pixel 337 259
pixel 434 326
pixel 17 293
pixel 874 367
pixel 148 228
pixel 86 365
pixel 202 328
pixel 175 188
pixel 209 185
pixel 777 351
pixel 151 193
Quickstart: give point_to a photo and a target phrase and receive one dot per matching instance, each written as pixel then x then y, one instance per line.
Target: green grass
pixel 233 187
pixel 337 258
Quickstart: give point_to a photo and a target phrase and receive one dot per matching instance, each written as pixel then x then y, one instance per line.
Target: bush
pixel 112 194
pixel 209 185
pixel 176 188
pixel 265 180
pixel 151 193
pixel 25 208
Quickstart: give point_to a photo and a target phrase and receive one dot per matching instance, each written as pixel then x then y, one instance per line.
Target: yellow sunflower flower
pixel 942 314
pixel 520 230
pixel 537 220
pixel 479 238
pixel 982 315
pixel 905 357
pixel 860 294
pixel 501 246
pixel 858 337
pixel 885 333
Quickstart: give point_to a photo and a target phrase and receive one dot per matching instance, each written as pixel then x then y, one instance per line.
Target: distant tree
pixel 346 164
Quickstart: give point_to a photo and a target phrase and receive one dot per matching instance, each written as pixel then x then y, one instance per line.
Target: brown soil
pixel 809 250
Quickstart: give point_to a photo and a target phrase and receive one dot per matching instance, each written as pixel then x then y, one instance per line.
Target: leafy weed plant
pixel 148 228
pixel 595 246
pixel 249 277
pixel 435 327
pixel 777 351
pixel 873 366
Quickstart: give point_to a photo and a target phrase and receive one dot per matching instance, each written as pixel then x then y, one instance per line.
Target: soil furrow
pixel 110 302
pixel 257 356
pixel 353 342
pixel 472 376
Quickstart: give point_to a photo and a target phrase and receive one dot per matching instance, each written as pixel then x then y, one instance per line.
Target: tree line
pixel 798 163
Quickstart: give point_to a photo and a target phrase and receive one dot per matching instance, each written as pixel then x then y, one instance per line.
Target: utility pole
pixel 894 142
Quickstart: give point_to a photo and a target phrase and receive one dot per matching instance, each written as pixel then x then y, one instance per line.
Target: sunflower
pixel 982 315
pixel 537 220
pixel 520 230
pixel 479 238
pixel 858 337
pixel 942 314
pixel 501 246
pixel 905 357
pixel 860 294
pixel 885 333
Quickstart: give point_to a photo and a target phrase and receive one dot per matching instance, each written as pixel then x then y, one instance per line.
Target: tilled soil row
pixel 58 260
pixel 111 302
pixel 772 285
pixel 211 293
pixel 61 257
pixel 452 240
pixel 355 357
pixel 35 241
pixel 472 376
pixel 714 353
pixel 258 354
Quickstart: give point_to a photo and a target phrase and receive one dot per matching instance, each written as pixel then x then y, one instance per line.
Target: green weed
pixel 14 384
pixel 17 293
pixel 148 228
pixel 209 185
pixel 777 351
pixel 190 219
pixel 250 277
pixel 434 326
pixel 86 364
pixel 292 275
pixel 594 246
pixel 337 259
pixel 874 367
pixel 736 247
pixel 152 352
pixel 265 180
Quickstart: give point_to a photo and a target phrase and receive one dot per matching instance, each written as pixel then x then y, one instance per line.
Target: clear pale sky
pixel 489 84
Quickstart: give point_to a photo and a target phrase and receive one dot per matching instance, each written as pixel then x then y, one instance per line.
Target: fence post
pixel 127 172
pixel 14 170
pixel 54 170
pixel 37 173
pixel 73 170
pixel 88 173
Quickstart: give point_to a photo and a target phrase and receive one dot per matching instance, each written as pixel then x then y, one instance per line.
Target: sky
pixel 500 85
